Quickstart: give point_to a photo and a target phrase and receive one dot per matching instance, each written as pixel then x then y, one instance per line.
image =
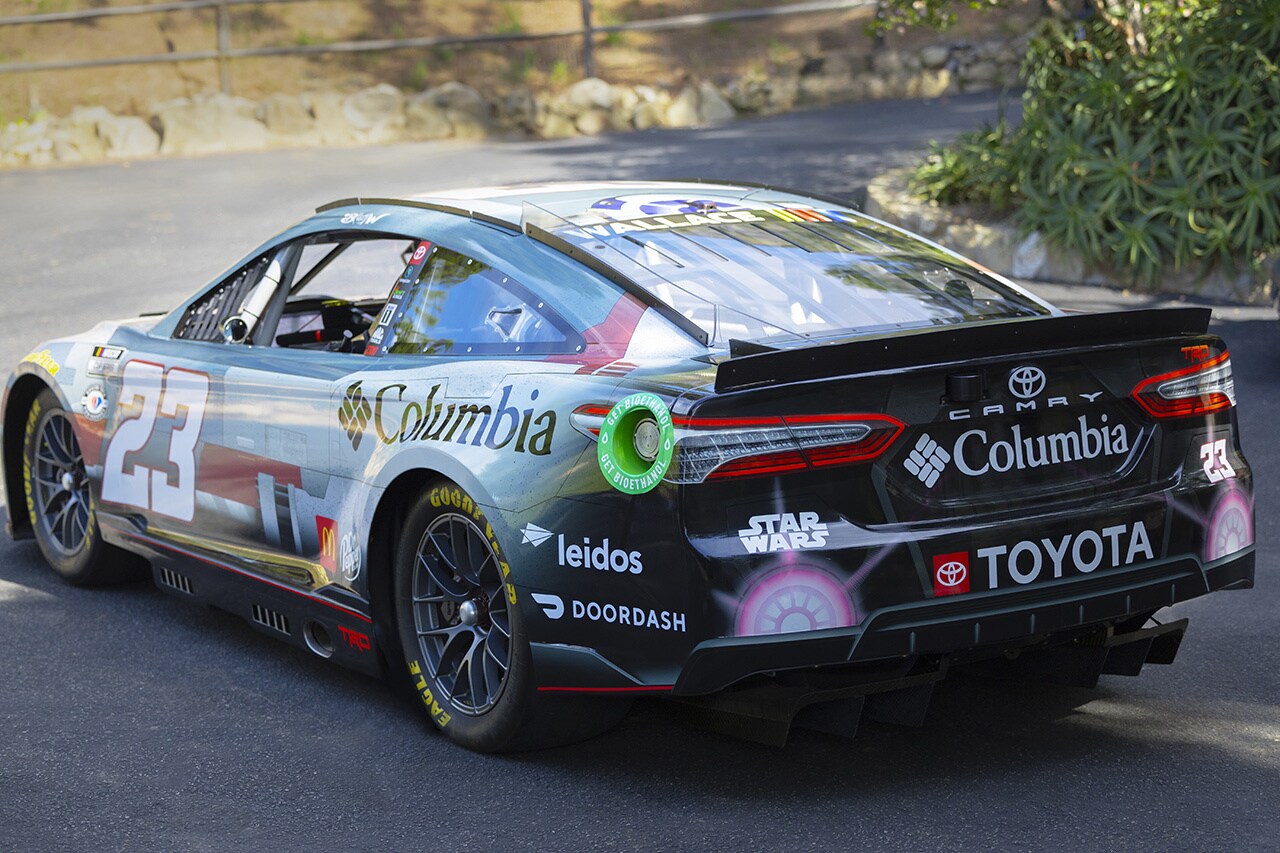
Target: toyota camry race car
pixel 538 450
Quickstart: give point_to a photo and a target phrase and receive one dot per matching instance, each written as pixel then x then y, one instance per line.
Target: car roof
pixel 505 205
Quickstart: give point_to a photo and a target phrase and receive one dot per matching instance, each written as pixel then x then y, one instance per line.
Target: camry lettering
pixel 976 454
pixel 1019 406
pixel 1085 552
pixel 787 531
pixel 495 426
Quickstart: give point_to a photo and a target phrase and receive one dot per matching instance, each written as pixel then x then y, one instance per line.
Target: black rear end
pixel 1041 476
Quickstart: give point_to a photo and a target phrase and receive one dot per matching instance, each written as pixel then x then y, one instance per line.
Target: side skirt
pixel 339 632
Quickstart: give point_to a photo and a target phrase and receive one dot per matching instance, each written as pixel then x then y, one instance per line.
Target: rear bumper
pixel 983 620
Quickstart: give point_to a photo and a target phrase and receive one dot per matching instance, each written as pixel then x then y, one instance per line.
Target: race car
pixel 536 451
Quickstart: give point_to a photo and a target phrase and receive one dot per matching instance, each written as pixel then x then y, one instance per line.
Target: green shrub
pixel 1142 159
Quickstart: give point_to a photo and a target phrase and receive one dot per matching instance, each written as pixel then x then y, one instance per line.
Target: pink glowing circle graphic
pixel 1231 526
pixel 792 600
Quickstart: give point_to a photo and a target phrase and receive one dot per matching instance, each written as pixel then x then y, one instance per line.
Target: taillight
pixel 720 448
pixel 1190 391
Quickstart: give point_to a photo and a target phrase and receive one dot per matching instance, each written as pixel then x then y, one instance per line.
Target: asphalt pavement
pixel 130 720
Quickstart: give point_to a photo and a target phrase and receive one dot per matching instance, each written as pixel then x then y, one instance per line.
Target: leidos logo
pixel 787 531
pixel 354 414
pixel 950 574
pixel 586 555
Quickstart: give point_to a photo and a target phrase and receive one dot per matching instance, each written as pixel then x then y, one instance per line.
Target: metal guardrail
pixel 223 52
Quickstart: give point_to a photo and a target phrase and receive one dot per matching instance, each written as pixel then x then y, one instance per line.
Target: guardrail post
pixel 224 44
pixel 588 41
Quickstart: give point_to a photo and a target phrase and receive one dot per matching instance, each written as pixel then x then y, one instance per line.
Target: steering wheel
pixel 341 322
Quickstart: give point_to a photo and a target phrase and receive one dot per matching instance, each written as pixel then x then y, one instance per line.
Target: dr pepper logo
pixel 950 574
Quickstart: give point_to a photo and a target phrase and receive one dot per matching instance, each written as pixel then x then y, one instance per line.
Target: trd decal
pixel 152 392
pixel 354 639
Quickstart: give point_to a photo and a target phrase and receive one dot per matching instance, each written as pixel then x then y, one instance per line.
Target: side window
pixel 338 290
pixel 460 305
pixel 203 319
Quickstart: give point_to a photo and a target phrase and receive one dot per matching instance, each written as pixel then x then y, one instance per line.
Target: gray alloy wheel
pixel 460 613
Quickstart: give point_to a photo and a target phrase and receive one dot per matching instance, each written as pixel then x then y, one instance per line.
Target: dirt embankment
pixel 717 51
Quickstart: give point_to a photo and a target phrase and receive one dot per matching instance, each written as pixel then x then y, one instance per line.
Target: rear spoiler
pixel 958 343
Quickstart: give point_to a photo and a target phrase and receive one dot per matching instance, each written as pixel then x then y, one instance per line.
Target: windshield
pixel 750 269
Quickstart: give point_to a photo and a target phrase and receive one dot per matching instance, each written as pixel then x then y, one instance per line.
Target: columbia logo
pixel 927 460
pixel 354 414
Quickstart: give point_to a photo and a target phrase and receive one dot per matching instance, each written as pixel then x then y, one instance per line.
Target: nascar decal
pixel 105 361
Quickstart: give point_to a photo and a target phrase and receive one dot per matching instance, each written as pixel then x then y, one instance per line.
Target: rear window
pixel 760 270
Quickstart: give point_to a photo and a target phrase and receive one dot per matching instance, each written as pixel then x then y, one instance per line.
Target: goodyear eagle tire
pixel 60 501
pixel 466 653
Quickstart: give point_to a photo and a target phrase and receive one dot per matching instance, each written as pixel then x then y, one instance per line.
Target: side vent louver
pixel 270 618
pixel 177 581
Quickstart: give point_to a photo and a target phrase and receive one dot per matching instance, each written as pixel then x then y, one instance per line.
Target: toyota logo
pixel 1026 382
pixel 952 574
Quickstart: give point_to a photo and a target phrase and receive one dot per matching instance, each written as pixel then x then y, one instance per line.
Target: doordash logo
pixel 950 574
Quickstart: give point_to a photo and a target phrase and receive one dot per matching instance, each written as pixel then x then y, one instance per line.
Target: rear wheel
pixel 60 503
pixel 465 648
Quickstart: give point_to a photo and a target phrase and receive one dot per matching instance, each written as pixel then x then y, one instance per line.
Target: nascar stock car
pixel 538 450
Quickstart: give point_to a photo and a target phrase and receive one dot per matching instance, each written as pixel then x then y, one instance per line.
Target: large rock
pixel 699 104
pixel 516 110
pixel 935 83
pixel 622 112
pixel 651 108
pixel 128 138
pixel 75 138
pixel 287 118
pixel 377 113
pixel 332 125
pixel 450 109
pixel 583 97
pixel 208 124
pixel 24 143
pixel 935 55
pixel 886 61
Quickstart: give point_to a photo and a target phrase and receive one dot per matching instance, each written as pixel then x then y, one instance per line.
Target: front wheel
pixel 60 503
pixel 465 648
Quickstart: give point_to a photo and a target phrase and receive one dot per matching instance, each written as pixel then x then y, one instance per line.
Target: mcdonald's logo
pixel 327 533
